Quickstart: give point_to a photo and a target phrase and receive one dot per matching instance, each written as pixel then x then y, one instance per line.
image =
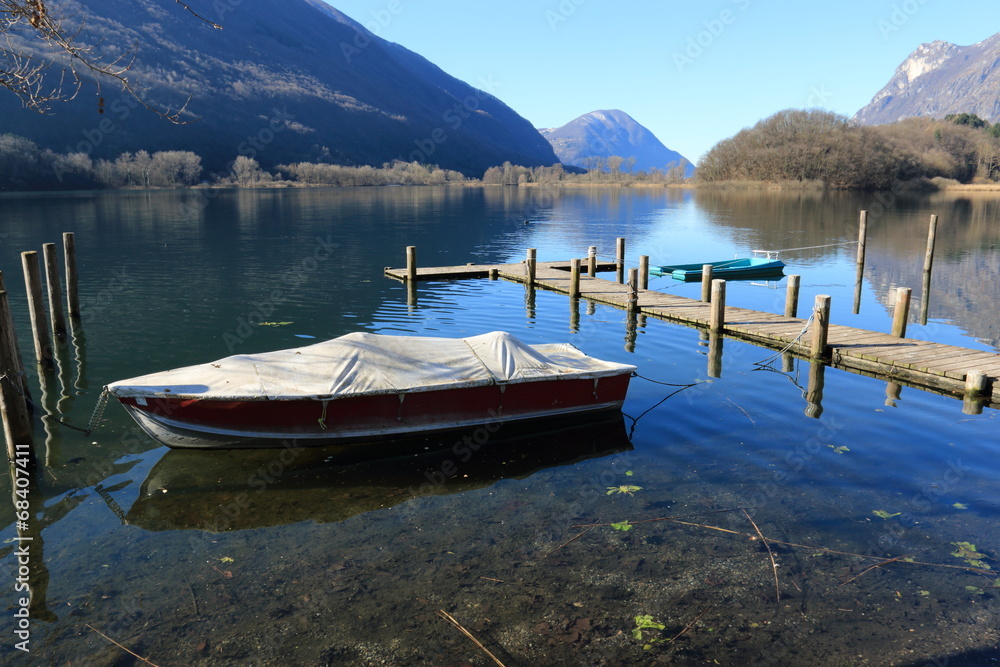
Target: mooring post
pixel 54 288
pixel 620 258
pixel 928 264
pixel 494 273
pixel 715 341
pixel 901 312
pixel 36 308
pixel 792 296
pixel 72 277
pixel 633 290
pixel 592 261
pixel 976 384
pixel 814 389
pixel 860 274
pixel 821 326
pixel 529 266
pixel 643 271
pixel 8 326
pixel 574 278
pixel 411 263
pixel 706 283
pixel 718 318
pixel 13 406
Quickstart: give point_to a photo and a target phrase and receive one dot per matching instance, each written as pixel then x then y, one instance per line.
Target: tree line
pixel 826 148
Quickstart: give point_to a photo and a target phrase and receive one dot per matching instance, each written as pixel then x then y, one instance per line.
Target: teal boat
pixel 740 268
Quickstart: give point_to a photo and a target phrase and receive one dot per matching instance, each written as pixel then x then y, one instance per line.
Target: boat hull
pixel 745 268
pixel 227 424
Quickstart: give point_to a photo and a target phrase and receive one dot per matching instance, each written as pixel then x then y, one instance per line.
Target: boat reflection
pixel 227 490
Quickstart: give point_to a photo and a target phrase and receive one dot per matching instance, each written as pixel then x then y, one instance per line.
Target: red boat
pixel 364 386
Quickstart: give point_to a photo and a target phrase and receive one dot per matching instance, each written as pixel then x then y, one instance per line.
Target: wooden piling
pixel 72 277
pixel 620 258
pixel 821 326
pixel 928 265
pixel 976 389
pixel 633 290
pixel 715 355
pixel 36 308
pixel 494 274
pixel 52 284
pixel 706 283
pixel 901 312
pixel 814 390
pixel 8 325
pixel 574 278
pixel 718 315
pixel 411 263
pixel 860 274
pixel 13 406
pixel 792 296
pixel 592 261
pixel 643 271
pixel 529 266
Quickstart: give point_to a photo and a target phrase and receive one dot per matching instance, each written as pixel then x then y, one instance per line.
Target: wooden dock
pixel 922 364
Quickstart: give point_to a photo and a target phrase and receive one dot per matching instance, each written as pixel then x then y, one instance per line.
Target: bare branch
pixel 39 82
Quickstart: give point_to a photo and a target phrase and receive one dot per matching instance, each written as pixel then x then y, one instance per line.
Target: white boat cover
pixel 365 363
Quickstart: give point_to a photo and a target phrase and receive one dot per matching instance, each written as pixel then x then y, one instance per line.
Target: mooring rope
pixel 791 343
pixel 95 416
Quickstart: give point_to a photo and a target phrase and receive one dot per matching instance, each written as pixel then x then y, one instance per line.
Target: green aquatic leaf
pixel 960 506
pixel 622 525
pixel 645 622
pixel 839 450
pixel 629 473
pixel 882 514
pixel 967 551
pixel 275 324
pixel 626 488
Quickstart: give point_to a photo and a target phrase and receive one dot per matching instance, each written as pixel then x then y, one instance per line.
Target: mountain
pixel 611 132
pixel 281 82
pixel 938 79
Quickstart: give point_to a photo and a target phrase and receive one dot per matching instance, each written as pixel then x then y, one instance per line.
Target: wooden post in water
pixel 620 258
pixel 706 283
pixel 901 312
pixel 8 325
pixel 36 308
pixel 928 264
pixel 529 266
pixel 494 273
pixel 13 407
pixel 792 296
pixel 411 263
pixel 814 389
pixel 976 384
pixel 821 326
pixel 718 317
pixel 643 271
pixel 715 355
pixel 54 289
pixel 72 277
pixel 633 290
pixel 592 261
pixel 860 275
pixel 574 279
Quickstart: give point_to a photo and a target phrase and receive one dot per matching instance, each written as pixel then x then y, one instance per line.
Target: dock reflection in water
pixel 228 490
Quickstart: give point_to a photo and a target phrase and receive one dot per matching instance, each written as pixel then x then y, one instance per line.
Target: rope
pixel 810 247
pixel 95 416
pixel 791 343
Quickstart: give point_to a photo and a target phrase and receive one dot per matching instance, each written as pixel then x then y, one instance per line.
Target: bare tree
pixel 28 30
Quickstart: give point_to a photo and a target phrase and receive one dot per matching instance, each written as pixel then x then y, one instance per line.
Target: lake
pixel 719 520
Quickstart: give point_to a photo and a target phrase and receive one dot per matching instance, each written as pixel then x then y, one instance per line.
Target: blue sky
pixel 692 72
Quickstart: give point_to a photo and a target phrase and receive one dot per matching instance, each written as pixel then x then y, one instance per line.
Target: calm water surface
pixel 869 497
